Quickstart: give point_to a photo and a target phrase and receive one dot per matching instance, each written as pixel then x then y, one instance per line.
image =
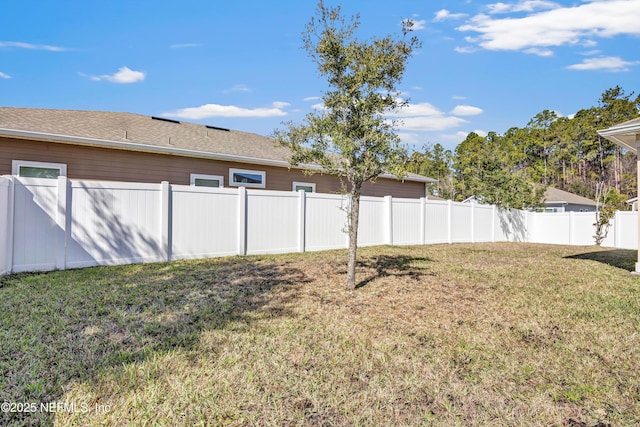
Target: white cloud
pixel 280 104
pixel 426 117
pixel 466 110
pixel 123 75
pixel 466 49
pixel 522 6
pixel 184 45
pixel 418 24
pixel 238 88
pixel 431 123
pixel 458 97
pixel 311 98
pixel 539 51
pixel 604 63
pixel 444 14
pixel 216 110
pixel 571 25
pixel 31 46
pixel 410 138
pixel 4 76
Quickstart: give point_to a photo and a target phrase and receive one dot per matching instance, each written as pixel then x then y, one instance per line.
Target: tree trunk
pixel 354 215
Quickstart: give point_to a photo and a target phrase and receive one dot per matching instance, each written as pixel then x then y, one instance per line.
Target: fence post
pixel 423 220
pixel 302 217
pixel 616 230
pixel 242 221
pixel 166 221
pixel 10 209
pixel 493 223
pixel 449 221
pixel 572 225
pixel 473 220
pixel 388 219
pixel 61 222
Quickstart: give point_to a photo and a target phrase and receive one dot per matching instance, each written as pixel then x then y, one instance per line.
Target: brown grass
pixel 484 334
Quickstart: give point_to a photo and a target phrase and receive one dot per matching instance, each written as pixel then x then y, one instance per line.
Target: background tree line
pixel 514 169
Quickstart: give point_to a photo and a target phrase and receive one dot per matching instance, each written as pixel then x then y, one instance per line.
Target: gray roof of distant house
pixel 145 133
pixel 555 195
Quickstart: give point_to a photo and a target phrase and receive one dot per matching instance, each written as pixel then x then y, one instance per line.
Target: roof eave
pixel 132 146
pixel 615 134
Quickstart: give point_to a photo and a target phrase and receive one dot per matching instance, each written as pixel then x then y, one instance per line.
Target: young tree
pixel 608 201
pixel 352 138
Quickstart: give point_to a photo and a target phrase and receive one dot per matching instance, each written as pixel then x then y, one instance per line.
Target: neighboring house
pixel 633 204
pixel 111 146
pixel 627 136
pixel 556 200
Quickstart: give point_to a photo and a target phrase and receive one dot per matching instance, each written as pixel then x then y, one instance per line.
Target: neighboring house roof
pixel 624 134
pixel 149 134
pixel 556 196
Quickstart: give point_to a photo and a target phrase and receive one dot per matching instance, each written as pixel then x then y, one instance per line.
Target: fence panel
pixel 483 223
pixel 372 225
pixel 204 221
pixel 460 222
pixel 582 228
pixel 552 228
pixel 6 226
pixel 325 221
pixel 626 232
pixel 272 221
pixel 511 225
pixel 436 227
pixel 406 216
pixel 35 233
pixel 113 223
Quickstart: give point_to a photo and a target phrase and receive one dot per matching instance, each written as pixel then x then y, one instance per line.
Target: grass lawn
pixel 482 334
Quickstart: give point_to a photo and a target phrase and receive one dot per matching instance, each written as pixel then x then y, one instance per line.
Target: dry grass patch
pixel 484 334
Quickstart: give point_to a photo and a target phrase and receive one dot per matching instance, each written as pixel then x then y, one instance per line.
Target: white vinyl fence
pixel 57 224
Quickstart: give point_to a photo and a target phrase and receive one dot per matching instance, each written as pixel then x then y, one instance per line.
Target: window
pixel 200 180
pixel 247 178
pixel 38 169
pixel 309 187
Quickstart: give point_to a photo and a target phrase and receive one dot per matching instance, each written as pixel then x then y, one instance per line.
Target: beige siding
pixel 122 165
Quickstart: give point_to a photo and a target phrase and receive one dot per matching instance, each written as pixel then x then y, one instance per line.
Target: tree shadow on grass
pixel 69 326
pixel 619 258
pixel 392 265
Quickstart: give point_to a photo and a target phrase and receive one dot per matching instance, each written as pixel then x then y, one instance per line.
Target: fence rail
pixel 57 224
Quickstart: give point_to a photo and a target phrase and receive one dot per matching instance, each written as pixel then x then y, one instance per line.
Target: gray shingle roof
pixel 555 195
pixel 128 128
pixel 136 128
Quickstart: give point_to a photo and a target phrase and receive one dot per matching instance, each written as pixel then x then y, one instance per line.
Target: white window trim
pixel 16 164
pixel 305 184
pixel 263 184
pixel 195 176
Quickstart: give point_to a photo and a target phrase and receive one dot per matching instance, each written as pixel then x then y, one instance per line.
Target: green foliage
pixel 351 137
pixel 486 168
pixel 513 169
pixel 435 162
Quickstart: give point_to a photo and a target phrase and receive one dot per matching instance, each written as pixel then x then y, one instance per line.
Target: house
pixel 556 200
pixel 633 203
pixel 627 136
pixel 112 146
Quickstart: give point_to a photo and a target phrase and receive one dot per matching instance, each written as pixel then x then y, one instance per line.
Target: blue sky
pixel 484 66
